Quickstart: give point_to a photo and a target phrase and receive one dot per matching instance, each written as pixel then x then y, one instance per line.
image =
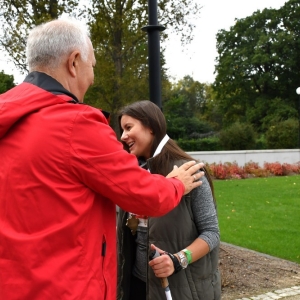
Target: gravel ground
pixel 246 273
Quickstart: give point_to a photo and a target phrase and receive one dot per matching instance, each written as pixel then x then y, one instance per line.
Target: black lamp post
pixel 153 30
pixel 298 93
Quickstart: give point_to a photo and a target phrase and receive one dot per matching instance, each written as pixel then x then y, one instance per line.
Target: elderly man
pixel 62 172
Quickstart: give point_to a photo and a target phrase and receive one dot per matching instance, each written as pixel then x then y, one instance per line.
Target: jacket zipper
pixel 103 253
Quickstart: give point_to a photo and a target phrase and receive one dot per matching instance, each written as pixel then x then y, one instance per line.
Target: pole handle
pixel 164 281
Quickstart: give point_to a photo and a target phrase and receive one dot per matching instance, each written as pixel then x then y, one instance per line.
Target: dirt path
pixel 246 273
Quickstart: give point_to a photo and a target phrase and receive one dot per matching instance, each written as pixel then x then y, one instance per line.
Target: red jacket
pixel 62 171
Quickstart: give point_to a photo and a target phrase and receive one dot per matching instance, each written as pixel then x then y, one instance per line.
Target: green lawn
pixel 262 214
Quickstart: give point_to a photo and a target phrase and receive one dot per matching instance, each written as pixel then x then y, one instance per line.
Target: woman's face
pixel 138 137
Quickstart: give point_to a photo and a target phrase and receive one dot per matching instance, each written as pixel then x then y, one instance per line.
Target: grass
pixel 262 214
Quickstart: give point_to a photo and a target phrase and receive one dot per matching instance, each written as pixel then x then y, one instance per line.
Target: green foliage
pixel 256 65
pixel 205 144
pixel 19 16
pixel 261 214
pixel 283 135
pixel 210 110
pixel 238 136
pixel 182 127
pixel 121 50
pixel 186 98
pixel 184 107
pixel 278 111
pixel 6 82
pixel 261 143
pixel 121 53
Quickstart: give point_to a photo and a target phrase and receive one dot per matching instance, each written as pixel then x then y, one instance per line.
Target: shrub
pixel 283 135
pixel 274 168
pixel 226 171
pixel 219 171
pixel 6 82
pixel 183 127
pixel 239 136
pixel 206 144
pixel 251 169
pixel 290 169
pixel 261 143
pixel 210 144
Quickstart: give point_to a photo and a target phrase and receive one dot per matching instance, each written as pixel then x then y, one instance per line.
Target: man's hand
pixel 188 174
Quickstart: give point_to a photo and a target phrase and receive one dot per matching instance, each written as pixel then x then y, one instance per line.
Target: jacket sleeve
pixel 99 162
pixel 205 214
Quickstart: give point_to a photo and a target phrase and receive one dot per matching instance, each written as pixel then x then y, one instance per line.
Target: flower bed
pixel 251 169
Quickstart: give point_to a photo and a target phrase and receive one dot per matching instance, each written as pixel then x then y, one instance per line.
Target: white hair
pixel 48 43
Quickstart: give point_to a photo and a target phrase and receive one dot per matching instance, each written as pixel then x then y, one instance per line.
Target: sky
pixel 196 59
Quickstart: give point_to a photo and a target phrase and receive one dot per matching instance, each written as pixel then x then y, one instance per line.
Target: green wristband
pixel 188 255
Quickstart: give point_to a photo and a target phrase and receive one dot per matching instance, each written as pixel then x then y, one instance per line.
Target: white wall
pixel 241 157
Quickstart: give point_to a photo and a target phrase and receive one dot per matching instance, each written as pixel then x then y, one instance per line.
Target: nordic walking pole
pixel 164 281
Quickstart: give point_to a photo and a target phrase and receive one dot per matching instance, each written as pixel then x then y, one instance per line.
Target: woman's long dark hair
pixel 152 117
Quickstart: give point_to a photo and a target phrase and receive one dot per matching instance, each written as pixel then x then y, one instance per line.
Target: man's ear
pixel 73 63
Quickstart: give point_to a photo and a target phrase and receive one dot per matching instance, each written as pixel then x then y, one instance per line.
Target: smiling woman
pixel 193 248
pixel 137 137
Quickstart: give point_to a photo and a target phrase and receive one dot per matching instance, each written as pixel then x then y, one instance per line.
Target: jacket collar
pixel 48 83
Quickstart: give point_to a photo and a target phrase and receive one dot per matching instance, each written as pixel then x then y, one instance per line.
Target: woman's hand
pixel 162 266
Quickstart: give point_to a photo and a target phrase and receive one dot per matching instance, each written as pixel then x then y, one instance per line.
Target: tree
pixel 211 111
pixel 258 61
pixel 122 47
pixel 283 135
pixel 183 108
pixel 120 44
pixel 238 136
pixel 19 16
pixel 6 82
pixel 192 94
